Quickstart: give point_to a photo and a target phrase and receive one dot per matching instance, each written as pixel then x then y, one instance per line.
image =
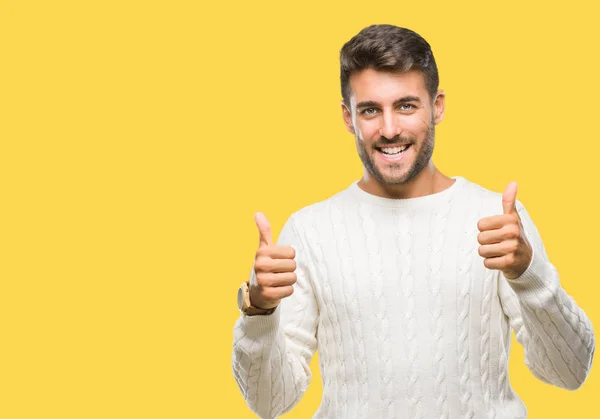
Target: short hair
pixel 387 48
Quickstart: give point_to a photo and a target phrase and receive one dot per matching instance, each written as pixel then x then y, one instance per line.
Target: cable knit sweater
pixel 408 321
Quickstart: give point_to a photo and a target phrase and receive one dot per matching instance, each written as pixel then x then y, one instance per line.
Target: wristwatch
pixel 246 307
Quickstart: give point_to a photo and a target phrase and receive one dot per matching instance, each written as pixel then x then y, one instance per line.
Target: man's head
pixel 390 96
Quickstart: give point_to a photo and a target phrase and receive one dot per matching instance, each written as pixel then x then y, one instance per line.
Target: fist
pixel 274 268
pixel 502 238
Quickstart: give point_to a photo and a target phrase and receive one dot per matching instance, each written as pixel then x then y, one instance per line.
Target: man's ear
pixel 439 106
pixel 347 115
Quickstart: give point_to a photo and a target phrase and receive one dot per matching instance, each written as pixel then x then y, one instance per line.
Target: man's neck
pixel 428 182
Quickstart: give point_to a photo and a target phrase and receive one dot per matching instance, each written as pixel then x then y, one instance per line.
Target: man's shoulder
pixel 476 191
pixel 323 209
pixel 489 200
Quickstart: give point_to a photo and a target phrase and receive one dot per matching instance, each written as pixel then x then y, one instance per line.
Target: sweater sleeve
pixel 272 353
pixel 556 334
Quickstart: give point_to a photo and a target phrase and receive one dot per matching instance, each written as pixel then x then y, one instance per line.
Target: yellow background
pixel 138 138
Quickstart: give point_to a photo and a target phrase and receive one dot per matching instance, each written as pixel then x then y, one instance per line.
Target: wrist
pixel 256 301
pixel 246 306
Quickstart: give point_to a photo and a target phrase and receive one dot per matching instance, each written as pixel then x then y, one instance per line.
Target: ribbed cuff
pixel 262 327
pixel 539 275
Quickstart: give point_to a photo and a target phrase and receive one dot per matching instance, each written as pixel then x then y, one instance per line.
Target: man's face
pixel 393 119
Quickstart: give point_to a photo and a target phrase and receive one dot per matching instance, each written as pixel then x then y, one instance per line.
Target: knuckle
pixel 268 294
pixel 260 265
pixel 515 231
pixel 262 280
pixel 294 278
pixel 480 250
pixel 518 232
pixel 294 265
pixel 262 251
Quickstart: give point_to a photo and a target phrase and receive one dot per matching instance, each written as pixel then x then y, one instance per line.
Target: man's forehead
pixel 378 86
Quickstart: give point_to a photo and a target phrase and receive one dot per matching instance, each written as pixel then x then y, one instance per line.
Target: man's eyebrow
pixel 371 103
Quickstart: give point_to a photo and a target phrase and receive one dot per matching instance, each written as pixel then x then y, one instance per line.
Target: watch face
pixel 240 298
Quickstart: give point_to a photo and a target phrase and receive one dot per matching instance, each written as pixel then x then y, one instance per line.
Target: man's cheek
pixel 368 131
pixel 424 122
pixel 414 125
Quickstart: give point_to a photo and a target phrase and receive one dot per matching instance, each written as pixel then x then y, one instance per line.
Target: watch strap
pixel 246 306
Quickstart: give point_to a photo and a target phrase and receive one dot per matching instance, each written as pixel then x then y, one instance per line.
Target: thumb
pixel 509 198
pixel 264 229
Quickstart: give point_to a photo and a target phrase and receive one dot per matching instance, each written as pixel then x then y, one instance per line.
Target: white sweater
pixel 408 321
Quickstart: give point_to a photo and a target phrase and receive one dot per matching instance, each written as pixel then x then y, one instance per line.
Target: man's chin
pixel 395 179
pixel 392 180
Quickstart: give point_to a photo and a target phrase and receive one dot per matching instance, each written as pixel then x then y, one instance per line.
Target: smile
pixel 392 153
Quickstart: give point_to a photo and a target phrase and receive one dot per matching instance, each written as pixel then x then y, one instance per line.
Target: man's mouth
pixel 393 151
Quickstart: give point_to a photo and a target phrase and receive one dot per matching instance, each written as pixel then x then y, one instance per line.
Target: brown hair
pixel 387 48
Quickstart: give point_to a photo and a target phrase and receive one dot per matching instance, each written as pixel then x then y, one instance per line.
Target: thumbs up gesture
pixel 274 267
pixel 502 238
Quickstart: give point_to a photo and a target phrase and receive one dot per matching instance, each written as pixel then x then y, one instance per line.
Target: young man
pixel 409 281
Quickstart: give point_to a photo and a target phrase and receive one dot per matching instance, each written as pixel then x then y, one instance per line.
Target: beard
pixel 399 173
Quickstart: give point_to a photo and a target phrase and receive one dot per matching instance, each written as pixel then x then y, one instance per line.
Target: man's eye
pixel 406 107
pixel 369 111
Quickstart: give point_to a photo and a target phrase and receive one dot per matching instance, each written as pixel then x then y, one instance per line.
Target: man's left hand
pixel 503 242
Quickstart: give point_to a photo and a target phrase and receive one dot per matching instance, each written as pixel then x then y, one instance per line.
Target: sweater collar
pixel 426 200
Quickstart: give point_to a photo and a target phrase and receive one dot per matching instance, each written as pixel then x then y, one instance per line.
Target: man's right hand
pixel 274 267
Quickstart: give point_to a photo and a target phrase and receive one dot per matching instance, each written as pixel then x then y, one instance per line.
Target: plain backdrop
pixel 138 138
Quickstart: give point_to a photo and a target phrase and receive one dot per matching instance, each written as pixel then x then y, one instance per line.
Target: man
pixel 409 281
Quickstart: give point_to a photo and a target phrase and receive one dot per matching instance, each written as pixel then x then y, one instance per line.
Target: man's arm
pixel 272 353
pixel 557 335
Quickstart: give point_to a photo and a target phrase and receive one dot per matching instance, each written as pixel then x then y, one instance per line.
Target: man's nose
pixel 390 126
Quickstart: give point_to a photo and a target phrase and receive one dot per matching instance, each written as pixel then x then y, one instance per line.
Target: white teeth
pixel 394 150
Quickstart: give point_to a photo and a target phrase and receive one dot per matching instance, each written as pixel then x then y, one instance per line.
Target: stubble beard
pixel 394 171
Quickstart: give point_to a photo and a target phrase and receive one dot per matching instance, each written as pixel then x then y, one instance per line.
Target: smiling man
pixel 408 282
pixel 395 130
